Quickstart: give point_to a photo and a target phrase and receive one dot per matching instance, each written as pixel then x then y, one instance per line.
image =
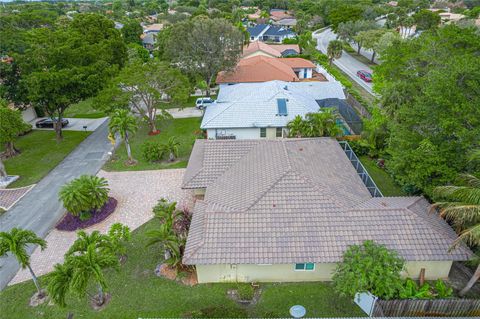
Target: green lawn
pixel 40 153
pixel 182 129
pixel 384 181
pixel 84 109
pixel 137 292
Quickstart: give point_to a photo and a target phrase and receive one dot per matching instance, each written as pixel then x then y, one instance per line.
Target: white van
pixel 203 102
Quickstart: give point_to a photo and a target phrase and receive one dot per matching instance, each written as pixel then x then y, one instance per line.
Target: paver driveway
pixel 137 192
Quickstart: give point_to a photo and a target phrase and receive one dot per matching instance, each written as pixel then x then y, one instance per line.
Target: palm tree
pixel 16 242
pixel 461 206
pixel 119 235
pixel 334 50
pixel 79 272
pixel 296 127
pixel 323 123
pixel 98 240
pixel 169 241
pixel 171 147
pixel 125 124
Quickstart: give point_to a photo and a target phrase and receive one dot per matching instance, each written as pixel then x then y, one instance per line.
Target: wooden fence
pixel 427 308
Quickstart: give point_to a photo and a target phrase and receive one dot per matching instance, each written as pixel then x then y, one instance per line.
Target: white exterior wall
pixel 241 133
pixel 29 114
pixel 302 73
pixel 287 272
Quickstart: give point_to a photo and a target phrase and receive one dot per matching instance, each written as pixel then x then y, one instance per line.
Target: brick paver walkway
pixel 136 192
pixel 8 197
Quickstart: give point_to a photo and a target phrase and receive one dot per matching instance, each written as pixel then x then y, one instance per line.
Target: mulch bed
pixel 72 223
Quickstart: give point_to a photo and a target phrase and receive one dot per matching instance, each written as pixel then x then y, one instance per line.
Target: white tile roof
pixel 246 105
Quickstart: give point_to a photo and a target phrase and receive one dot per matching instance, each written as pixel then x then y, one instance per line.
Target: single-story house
pixel 286 23
pixel 263 110
pixel 286 210
pixel 149 40
pixel 279 14
pixel 262 69
pixel 266 32
pixel 152 28
pixel 271 50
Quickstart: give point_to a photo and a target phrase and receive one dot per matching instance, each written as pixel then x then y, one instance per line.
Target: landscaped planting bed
pixel 71 223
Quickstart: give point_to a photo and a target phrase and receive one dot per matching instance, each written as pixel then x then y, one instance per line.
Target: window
pixel 263 132
pixel 282 107
pixel 278 132
pixel 305 267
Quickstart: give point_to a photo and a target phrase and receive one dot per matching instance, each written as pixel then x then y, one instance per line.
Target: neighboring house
pixel 280 14
pixel 266 32
pixel 271 50
pixel 152 28
pixel 118 25
pixel 287 23
pixel 286 210
pixel 262 69
pixel 149 40
pixel 263 110
pixel 449 17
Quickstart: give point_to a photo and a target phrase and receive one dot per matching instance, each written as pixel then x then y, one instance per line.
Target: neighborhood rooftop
pixel 298 200
pixel 255 104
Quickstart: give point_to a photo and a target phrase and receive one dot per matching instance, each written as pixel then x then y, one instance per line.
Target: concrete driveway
pixel 75 124
pixel 346 63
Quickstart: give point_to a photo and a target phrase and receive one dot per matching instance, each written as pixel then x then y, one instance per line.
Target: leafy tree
pixel 426 19
pixel 149 87
pixel 369 39
pixel 369 267
pixel 171 147
pixel 84 195
pixel 124 123
pixel 131 31
pixel 343 13
pixel 349 30
pixel 318 124
pixel 15 242
pixel 11 125
pixel 429 92
pixel 205 46
pixel 388 39
pixel 334 50
pixel 461 205
pixel 66 65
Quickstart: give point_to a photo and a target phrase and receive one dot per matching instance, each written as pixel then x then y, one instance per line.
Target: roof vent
pixel 282 107
pixel 285 87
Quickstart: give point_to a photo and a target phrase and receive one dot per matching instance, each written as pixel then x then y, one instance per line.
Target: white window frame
pixel 304 267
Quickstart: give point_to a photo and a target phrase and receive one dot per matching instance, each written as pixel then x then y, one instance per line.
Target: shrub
pixel 442 290
pixel 369 267
pixel 83 195
pixel 245 291
pixel 410 290
pixel 152 151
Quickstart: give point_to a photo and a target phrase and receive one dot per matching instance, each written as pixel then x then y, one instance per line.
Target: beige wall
pixel 286 272
pixel 257 53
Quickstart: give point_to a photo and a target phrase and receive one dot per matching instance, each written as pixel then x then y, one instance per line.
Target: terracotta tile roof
pixel 298 63
pixel 262 69
pixel 299 200
pixel 258 69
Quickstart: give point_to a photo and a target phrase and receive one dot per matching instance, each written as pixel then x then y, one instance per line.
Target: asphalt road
pixel 346 63
pixel 40 209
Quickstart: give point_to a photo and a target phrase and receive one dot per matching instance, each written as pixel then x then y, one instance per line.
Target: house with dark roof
pixel 270 33
pixel 286 210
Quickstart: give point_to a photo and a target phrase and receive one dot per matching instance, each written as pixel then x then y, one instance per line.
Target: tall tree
pixel 429 89
pixel 334 50
pixel 460 204
pixel 65 65
pixel 131 31
pixel 15 242
pixel 149 87
pixel 370 39
pixel 205 47
pixel 426 19
pixel 125 124
pixel 11 125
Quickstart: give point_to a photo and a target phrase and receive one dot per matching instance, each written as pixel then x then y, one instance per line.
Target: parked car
pixel 364 75
pixel 203 102
pixel 48 123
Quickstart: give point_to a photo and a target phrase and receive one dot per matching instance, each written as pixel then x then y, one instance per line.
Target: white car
pixel 202 102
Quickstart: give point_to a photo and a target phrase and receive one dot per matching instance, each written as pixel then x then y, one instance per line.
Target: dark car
pixel 48 123
pixel 364 75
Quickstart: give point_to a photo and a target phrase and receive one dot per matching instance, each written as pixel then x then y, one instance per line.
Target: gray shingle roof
pixel 298 200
